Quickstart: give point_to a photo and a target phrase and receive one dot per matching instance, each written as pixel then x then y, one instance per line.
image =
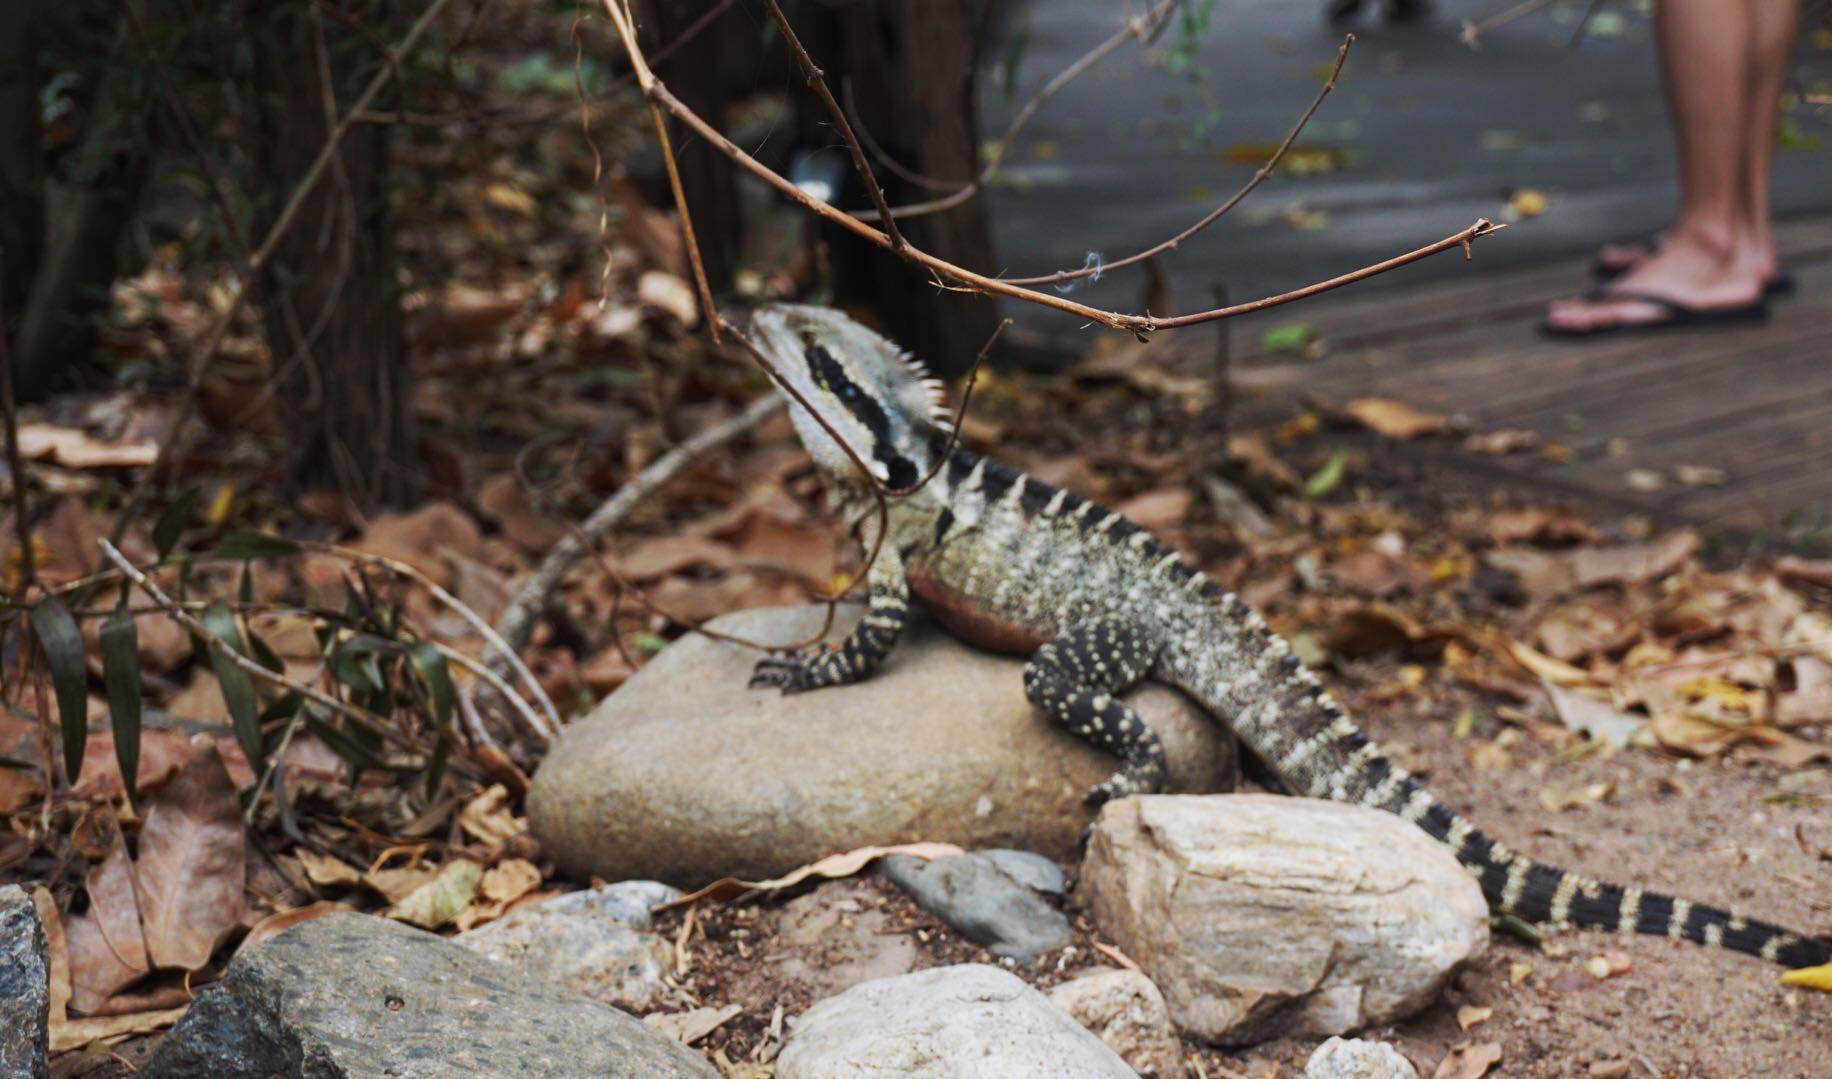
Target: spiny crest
pixel 878 399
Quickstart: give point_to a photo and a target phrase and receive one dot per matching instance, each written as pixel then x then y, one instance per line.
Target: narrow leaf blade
pixel 121 677
pixel 63 645
pixel 238 690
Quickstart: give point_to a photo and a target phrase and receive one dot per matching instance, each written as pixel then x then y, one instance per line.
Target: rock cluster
pixel 1260 915
pixel 351 994
pixel 685 775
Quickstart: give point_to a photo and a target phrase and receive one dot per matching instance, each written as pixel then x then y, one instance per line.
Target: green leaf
pixel 238 690
pixel 63 645
pixel 264 654
pixel 1288 337
pixel 646 643
pixel 178 516
pixel 435 768
pixel 247 544
pixel 438 676
pixel 121 677
pixel 1326 479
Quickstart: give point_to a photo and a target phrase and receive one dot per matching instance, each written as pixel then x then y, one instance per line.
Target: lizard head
pixel 881 401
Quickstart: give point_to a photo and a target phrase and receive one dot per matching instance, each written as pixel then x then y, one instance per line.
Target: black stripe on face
pixel 900 471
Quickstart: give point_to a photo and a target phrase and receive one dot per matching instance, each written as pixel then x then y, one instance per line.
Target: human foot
pixel 1688 276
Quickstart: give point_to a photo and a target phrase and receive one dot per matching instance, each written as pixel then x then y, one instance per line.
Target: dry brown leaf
pixel 690 1026
pixel 107 950
pixel 1536 525
pixel 605 671
pixel 834 865
pixel 502 499
pixel 1469 1015
pixel 422 538
pixel 668 293
pixel 395 885
pixel 769 542
pixel 1159 509
pixel 1469 1061
pixel 665 555
pixel 509 880
pixel 72 447
pixel 1504 440
pixel 1549 669
pixel 1633 563
pixel 326 871
pixel 1592 715
pixel 191 872
pixel 1395 419
pixel 58 977
pixel 440 899
pixel 274 924
pixel 487 819
pixel 76 1033
pixel 1376 575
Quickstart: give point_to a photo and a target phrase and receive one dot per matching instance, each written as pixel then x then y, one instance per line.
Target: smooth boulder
pixel 686 775
pixel 963 1022
pixel 25 995
pixel 1259 915
pixel 356 995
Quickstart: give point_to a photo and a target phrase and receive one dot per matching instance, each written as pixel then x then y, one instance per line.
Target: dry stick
pixel 516 622
pixel 1139 325
pixel 473 723
pixel 496 682
pixel 28 567
pixel 818 83
pixel 1577 35
pixel 1138 28
pixel 379 725
pixel 1473 31
pixel 219 331
pixel 1259 177
pixel 550 729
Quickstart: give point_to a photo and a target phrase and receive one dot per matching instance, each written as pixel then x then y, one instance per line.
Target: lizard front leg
pixel 863 650
pixel 1074 677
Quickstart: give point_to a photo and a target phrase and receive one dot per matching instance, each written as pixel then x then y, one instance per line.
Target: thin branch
pixel 1139 325
pixel 219 331
pixel 516 622
pixel 549 729
pixel 1473 31
pixel 496 682
pixel 1140 28
pixel 378 725
pixel 818 83
pixel 1259 177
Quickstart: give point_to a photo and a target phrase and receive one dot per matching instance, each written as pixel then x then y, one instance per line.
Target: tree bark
pixel 348 393
pixel 22 208
pixel 702 75
pixel 912 67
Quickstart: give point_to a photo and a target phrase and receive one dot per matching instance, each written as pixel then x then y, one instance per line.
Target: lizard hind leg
pixel 1074 678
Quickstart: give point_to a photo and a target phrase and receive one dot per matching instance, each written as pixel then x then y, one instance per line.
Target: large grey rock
pixel 1352 1058
pixel 963 1022
pixel 989 906
pixel 25 988
pixel 354 995
pixel 1259 915
pixel 592 942
pixel 685 775
pixel 1127 1012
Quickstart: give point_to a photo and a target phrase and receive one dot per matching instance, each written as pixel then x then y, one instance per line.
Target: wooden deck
pixel 1754 402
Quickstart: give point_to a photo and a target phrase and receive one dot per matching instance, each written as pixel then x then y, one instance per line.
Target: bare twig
pixel 219 331
pixel 1473 31
pixel 379 725
pixel 1137 324
pixel 496 682
pixel 22 526
pixel 1583 26
pixel 1139 28
pixel 516 622
pixel 818 83
pixel 549 728
pixel 473 723
pixel 1259 177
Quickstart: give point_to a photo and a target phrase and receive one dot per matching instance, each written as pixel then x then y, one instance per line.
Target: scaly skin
pixel 1012 564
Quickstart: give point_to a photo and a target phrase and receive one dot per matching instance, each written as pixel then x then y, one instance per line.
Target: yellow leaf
pixel 1819 977
pixel 440 899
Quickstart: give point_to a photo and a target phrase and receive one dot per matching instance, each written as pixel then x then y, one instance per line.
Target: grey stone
pixel 986 904
pixel 25 987
pixel 351 994
pixel 1127 1012
pixel 586 941
pixel 1034 871
pixel 1353 1058
pixel 685 775
pixel 1259 915
pixel 963 1022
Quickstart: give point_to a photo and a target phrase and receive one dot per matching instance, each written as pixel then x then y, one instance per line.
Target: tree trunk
pixel 911 65
pixel 22 208
pixel 701 75
pixel 348 393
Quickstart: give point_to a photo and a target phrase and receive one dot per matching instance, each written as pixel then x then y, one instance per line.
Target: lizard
pixel 1009 563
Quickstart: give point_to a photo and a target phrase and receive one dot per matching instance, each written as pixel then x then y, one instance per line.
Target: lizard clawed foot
pixel 790 673
pixel 1146 777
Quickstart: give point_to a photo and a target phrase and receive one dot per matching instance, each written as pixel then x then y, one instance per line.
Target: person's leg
pixel 1705 60
pixel 1772 29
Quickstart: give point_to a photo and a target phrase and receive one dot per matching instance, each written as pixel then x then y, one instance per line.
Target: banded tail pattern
pixel 1292 723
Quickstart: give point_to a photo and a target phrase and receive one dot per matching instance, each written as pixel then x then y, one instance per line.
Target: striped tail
pixel 1283 714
